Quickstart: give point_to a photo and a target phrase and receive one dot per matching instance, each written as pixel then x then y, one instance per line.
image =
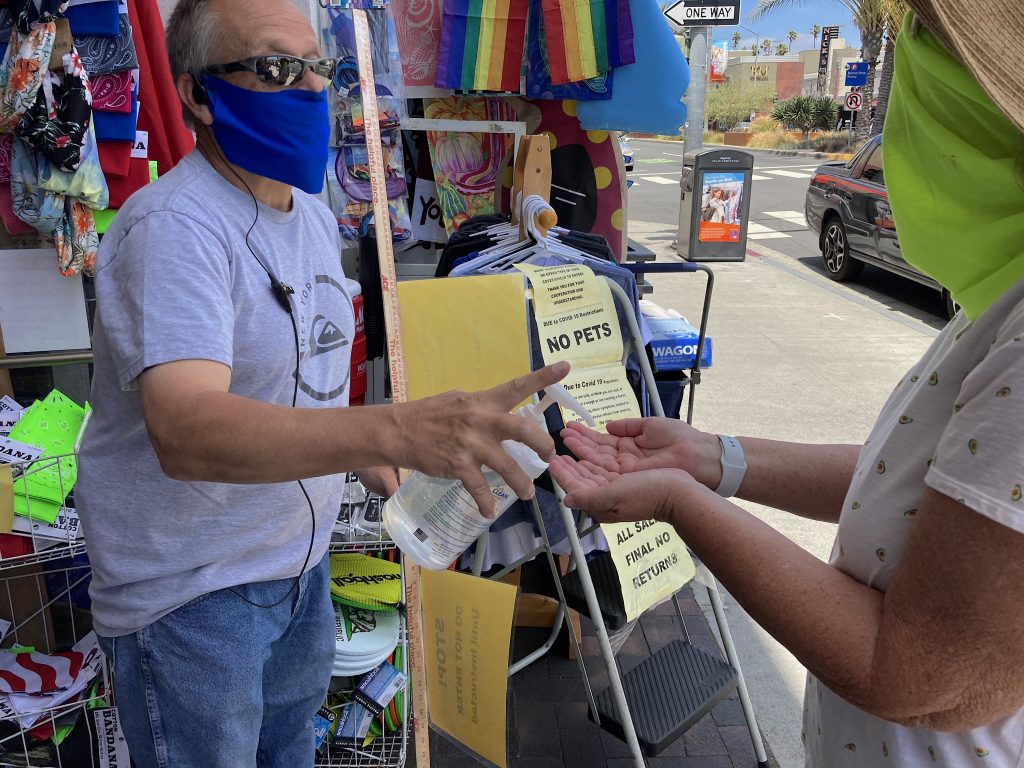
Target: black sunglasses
pixel 278 69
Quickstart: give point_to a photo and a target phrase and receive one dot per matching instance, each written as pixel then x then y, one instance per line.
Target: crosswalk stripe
pixel 767 235
pixel 791 174
pixel 753 226
pixel 790 217
pixel 660 180
pixel 755 177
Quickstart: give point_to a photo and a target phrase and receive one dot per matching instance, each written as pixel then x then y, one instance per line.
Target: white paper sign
pixel 40 311
pixel 113 749
pixel 426 214
pixel 66 527
pixel 140 149
pixel 10 413
pixel 13 452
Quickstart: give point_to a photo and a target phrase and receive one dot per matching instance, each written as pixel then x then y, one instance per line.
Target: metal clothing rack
pixel 621 704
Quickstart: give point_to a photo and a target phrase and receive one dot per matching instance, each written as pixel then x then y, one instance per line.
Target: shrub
pixel 764 125
pixel 832 141
pixel 777 139
pixel 807 113
pixel 714 137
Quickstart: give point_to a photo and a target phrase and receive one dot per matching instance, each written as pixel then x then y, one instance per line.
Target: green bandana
pixel 954 168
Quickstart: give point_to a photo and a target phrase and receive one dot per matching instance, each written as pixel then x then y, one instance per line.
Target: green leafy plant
pixel 807 113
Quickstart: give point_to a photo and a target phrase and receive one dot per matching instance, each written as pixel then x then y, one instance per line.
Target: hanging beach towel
pixel 466 165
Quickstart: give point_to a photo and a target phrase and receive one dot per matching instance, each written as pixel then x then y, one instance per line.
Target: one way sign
pixel 704 13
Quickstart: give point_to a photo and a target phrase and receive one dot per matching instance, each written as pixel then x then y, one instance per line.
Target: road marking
pixel 755 177
pixel 660 180
pixel 655 160
pixel 757 231
pixel 791 174
pixel 790 217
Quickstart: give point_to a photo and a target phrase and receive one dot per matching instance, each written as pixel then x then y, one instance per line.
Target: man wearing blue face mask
pixel 211 473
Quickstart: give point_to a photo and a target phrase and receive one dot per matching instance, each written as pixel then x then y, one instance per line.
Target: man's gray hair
pixel 195 33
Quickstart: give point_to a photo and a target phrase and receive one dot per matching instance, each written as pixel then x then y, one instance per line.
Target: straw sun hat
pixel 988 37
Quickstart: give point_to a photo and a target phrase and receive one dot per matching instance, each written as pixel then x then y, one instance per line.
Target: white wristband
pixel 734 466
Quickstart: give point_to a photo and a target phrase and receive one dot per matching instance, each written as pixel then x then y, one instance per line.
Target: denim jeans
pixel 220 683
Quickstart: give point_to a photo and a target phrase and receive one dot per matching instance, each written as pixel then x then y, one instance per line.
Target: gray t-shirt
pixel 175 281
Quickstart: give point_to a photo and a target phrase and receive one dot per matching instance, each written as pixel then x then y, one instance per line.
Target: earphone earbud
pixel 198 91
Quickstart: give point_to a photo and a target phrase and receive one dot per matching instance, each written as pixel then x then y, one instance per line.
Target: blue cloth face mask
pixel 281 135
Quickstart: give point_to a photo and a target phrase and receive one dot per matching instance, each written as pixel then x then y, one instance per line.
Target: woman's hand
pixel 610 497
pixel 636 445
pixel 381 480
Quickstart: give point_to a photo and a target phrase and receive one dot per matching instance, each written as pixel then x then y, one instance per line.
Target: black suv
pixel 848 207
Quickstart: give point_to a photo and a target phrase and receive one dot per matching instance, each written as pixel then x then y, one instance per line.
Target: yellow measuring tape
pixel 396 362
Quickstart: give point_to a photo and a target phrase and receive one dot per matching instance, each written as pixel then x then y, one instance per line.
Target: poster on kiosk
pixel 714 205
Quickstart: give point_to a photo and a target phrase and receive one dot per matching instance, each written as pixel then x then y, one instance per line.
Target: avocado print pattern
pixel 953 425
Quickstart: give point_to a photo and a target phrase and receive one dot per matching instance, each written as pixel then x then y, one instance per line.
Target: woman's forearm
pixel 826 619
pixel 807 480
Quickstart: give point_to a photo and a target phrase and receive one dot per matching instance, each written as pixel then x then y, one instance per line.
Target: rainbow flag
pixel 576 33
pixel 481 47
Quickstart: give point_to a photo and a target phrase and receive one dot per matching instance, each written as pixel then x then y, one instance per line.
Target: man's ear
pixel 194 99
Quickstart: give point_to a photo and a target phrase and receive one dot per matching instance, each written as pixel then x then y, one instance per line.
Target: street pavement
pixel 796 357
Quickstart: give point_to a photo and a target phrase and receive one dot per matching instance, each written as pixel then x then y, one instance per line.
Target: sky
pixel 800 16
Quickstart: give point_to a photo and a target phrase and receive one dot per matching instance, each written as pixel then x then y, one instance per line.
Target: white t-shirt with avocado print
pixel 954 423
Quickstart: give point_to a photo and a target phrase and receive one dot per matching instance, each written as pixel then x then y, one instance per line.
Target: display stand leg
pixel 618 693
pixel 6 387
pixel 718 609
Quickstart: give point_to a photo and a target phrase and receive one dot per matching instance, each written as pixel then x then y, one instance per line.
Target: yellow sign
pixel 6 500
pixel 577 322
pixel 575 315
pixel 467 333
pixel 605 391
pixel 652 563
pixel 467 625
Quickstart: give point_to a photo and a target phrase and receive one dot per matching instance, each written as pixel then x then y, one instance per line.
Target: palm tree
pixel 792 35
pixel 888 64
pixel 753 50
pixel 815 31
pixel 766 46
pixel 781 49
pixel 736 37
pixel 872 18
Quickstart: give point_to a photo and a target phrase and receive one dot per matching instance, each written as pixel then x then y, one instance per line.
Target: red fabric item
pixel 10 545
pixel 159 107
pixel 38 672
pixel 123 187
pixel 115 158
pixel 14 226
pixel 112 93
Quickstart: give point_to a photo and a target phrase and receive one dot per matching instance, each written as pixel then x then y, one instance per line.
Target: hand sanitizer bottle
pixel 433 520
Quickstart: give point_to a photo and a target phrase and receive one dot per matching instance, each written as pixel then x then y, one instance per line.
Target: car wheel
pixel 951 306
pixel 835 252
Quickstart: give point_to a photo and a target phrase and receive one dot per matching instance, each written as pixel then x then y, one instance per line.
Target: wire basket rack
pixel 45 608
pixel 360 529
pixel 360 524
pixel 37 535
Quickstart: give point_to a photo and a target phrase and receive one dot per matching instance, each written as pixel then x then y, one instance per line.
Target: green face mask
pixel 954 169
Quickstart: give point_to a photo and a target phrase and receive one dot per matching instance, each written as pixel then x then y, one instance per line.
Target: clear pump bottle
pixel 434 520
